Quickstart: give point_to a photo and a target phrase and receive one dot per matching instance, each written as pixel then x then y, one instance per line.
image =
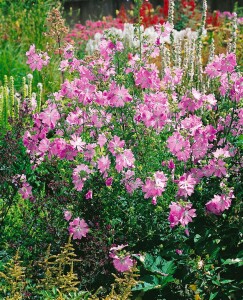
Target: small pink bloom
pixel 89 194
pixel 108 181
pixel 26 190
pixel 154 201
pixel 186 185
pixel 67 215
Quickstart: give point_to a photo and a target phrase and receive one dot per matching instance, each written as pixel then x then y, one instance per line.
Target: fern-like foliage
pixel 13 279
pixel 58 270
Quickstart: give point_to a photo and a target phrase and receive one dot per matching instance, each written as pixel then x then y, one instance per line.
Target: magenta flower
pixel 108 181
pixel 179 252
pixel 78 228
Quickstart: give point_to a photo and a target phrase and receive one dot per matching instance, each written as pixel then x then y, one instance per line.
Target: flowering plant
pixel 144 155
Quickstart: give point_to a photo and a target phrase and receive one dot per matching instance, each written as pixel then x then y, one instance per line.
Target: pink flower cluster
pixel 81 33
pixel 221 64
pixel 108 116
pixel 154 112
pixel 36 60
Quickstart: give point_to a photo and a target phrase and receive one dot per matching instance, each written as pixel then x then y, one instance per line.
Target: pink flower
pixel 174 142
pixel 67 215
pixel 36 61
pixel 219 203
pixel 155 186
pixel 121 261
pixel 50 116
pixel 166 29
pixel 116 145
pixel 77 142
pixel 101 140
pixel 154 201
pixel 89 194
pixel 80 175
pixel 181 214
pixel 78 228
pixel 44 145
pixel 123 264
pixel 221 64
pixel 218 167
pixel 186 185
pixel 131 184
pixel 179 146
pixel 118 96
pixel 147 79
pixel 125 160
pixel 103 163
pixel 108 181
pixel 26 190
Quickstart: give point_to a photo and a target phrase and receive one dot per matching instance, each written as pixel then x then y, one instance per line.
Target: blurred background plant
pixel 23 23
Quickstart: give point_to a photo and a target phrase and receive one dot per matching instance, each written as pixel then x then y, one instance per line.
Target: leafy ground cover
pixel 121 169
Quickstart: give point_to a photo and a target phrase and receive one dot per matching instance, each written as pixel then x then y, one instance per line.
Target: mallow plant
pixel 154 149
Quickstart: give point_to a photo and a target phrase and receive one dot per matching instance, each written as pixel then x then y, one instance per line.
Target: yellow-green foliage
pixel 13 278
pixel 121 289
pixel 59 270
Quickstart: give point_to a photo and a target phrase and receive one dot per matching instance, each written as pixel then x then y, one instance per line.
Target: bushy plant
pixel 138 156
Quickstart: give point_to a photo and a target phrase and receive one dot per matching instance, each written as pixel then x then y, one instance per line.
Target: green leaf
pixel 197 237
pixel 224 281
pixel 213 295
pixel 231 261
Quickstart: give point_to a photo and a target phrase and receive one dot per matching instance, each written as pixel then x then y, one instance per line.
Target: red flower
pixel 189 4
pixel 166 8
